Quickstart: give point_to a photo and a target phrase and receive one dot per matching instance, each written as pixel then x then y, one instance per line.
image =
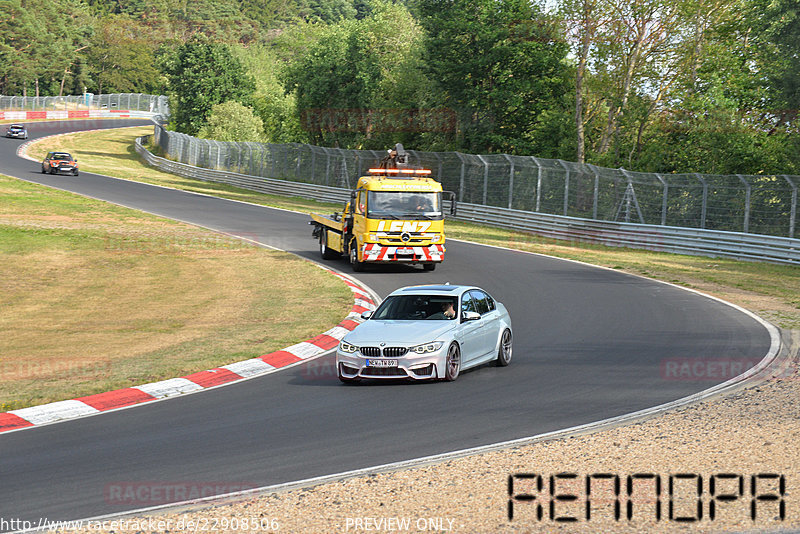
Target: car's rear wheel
pixel 504 352
pixel 452 365
pixel 75 172
pixel 324 251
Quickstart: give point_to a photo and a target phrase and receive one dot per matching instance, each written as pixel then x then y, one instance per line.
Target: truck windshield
pixel 404 205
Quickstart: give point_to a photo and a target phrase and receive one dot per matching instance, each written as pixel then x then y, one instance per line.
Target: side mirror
pixel 470 316
pixel 452 198
pixel 366 315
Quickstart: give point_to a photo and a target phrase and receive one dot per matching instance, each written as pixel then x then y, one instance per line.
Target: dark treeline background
pixel 708 86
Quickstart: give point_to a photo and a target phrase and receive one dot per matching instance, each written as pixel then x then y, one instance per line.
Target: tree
pixel 122 59
pixel 232 121
pixel 501 65
pixel 200 75
pixel 358 84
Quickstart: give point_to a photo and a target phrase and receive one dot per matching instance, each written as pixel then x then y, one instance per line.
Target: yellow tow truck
pixel 394 215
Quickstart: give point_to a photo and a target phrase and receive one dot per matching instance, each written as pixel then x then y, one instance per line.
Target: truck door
pixel 359 218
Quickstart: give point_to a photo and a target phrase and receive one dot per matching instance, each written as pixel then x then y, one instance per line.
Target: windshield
pixel 417 307
pixel 404 205
pixel 66 157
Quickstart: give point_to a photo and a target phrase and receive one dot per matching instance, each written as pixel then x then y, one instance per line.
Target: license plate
pixel 405 251
pixel 381 363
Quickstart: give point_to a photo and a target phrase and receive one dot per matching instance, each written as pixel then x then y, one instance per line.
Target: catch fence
pixel 751 204
pixel 153 105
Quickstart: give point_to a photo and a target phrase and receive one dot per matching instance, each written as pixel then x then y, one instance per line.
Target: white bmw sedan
pixel 427 332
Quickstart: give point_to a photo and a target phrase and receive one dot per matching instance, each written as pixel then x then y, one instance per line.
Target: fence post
pixel 510 180
pixel 663 200
pixel 461 183
pixel 793 210
pixel 538 183
pixel 746 203
pixel 705 200
pixel 485 178
pixel 566 186
pixel 327 166
pixel 596 192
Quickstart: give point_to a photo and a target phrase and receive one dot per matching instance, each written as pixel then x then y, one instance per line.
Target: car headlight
pixel 427 347
pixel 347 347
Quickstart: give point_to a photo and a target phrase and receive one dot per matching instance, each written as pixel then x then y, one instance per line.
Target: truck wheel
pixel 358 266
pixel 429 266
pixel 324 251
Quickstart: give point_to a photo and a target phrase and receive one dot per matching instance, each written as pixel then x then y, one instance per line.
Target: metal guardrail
pixel 679 240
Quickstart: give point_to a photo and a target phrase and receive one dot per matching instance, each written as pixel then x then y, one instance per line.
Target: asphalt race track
pixel 589 344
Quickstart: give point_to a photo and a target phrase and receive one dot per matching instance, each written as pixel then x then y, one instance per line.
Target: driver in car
pixel 448 311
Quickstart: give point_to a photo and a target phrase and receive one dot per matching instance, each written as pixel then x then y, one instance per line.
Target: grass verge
pixel 772 291
pixel 96 297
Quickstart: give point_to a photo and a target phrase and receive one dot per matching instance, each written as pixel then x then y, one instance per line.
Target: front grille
pixel 371 352
pixel 383 371
pixel 394 352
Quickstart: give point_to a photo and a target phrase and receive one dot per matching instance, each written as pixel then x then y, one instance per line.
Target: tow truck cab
pixel 394 215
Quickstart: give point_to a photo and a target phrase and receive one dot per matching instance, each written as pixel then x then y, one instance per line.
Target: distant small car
pixel 427 332
pixel 17 131
pixel 59 162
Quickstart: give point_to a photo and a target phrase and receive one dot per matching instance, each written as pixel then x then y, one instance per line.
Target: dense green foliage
pixel 232 121
pixel 502 66
pixel 651 85
pixel 199 76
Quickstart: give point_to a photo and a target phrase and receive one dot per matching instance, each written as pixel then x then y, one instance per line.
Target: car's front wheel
pixel 452 365
pixel 504 352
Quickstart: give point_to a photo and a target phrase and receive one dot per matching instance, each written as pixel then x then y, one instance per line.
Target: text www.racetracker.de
pixel 147 524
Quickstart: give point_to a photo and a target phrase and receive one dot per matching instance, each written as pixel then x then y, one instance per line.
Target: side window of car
pixel 490 302
pixel 479 298
pixel 467 304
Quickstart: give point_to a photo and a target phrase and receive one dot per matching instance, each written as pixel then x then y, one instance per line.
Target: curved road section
pixel 590 344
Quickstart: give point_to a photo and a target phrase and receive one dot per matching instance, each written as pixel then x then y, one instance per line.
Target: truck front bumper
pixel 373 252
